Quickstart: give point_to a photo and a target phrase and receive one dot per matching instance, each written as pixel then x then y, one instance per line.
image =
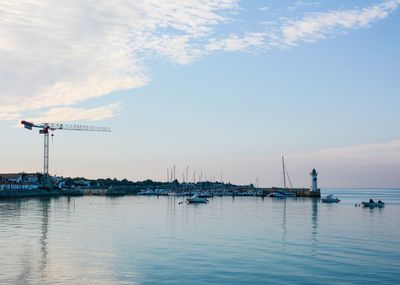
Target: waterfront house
pixel 19 177
pixel 19 181
pixel 11 177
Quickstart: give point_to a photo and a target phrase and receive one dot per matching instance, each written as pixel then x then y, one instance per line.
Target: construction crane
pixel 48 128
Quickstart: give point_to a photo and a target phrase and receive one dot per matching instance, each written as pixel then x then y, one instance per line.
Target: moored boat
pixel 197 200
pixel 283 192
pixel 330 199
pixel 372 204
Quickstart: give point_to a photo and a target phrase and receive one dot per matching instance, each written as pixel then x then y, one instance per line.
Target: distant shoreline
pixel 122 191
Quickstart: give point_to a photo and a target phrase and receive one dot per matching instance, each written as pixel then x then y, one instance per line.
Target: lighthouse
pixel 314 184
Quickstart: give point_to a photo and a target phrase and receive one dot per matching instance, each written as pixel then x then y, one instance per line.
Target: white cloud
pixel 386 151
pixel 5 116
pixel 321 25
pixel 56 54
pixel 302 4
pixel 236 43
pixel 65 52
pixel 65 114
pixel 176 48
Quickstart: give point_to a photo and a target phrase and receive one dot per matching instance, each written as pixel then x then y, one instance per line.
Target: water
pixel 241 240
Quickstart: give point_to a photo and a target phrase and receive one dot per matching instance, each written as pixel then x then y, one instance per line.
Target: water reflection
pixel 171 212
pixel 26 267
pixel 314 220
pixel 162 242
pixel 45 204
pixel 284 230
pixel 10 209
pixel 314 217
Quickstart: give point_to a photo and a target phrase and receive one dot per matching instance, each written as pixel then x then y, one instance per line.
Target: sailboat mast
pixel 284 172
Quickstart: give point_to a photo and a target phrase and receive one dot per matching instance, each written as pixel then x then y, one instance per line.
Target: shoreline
pixel 5 194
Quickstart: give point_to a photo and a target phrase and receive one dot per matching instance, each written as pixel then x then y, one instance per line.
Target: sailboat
pixel 283 192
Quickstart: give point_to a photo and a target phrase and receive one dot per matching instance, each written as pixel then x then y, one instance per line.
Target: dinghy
pixel 372 204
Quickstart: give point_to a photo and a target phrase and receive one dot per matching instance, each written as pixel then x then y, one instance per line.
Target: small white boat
pixel 197 200
pixel 373 204
pixel 330 199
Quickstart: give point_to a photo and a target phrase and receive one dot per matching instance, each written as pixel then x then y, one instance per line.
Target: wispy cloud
pixel 301 4
pixel 65 114
pixel 55 55
pixel 369 165
pixel 386 151
pixel 235 43
pixel 176 48
pixel 322 25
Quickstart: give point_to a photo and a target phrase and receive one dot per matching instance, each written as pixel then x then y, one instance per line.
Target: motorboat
pixel 197 200
pixel 330 199
pixel 372 204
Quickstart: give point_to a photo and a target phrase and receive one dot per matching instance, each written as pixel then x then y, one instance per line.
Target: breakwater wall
pixel 299 192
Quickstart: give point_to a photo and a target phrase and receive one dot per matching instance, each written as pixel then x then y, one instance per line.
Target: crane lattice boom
pixel 78 128
pixel 66 127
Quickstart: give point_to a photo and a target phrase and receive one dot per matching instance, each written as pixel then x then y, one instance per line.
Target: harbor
pixel 29 185
pixel 43 184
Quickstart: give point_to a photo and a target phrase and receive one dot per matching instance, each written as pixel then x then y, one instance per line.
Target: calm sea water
pixel 241 240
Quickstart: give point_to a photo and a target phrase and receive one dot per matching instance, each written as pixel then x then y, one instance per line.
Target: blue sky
pixel 226 87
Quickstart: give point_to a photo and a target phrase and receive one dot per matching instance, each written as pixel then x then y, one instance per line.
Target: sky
pixel 224 88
